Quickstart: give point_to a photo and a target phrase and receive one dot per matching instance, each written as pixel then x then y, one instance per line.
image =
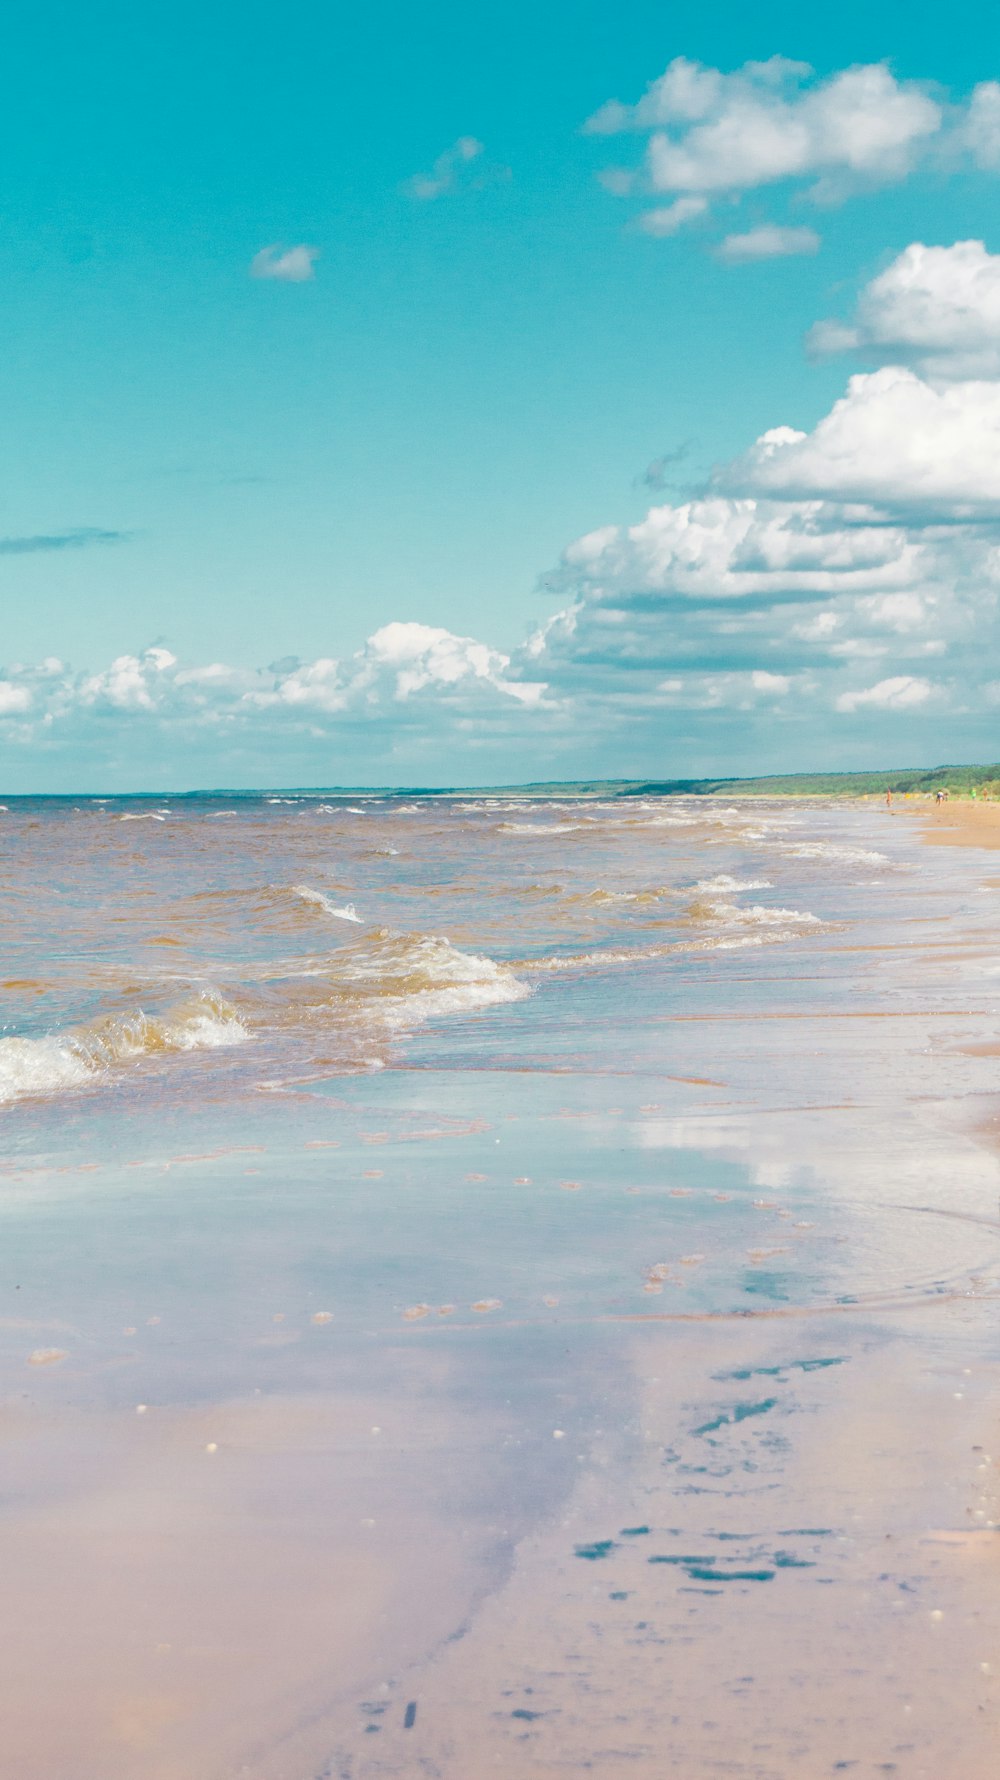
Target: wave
pixel 59 1061
pixel 601 958
pixel 828 850
pixel 347 913
pixel 756 915
pixel 723 884
pixel 392 980
pixel 538 827
pixel 602 898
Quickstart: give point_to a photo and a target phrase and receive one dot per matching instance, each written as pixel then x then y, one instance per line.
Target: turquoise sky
pixel 241 469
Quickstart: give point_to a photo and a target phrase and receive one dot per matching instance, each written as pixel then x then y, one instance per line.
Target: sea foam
pixel 56 1062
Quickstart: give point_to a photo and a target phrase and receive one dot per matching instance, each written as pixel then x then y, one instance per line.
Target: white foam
pixel 400 979
pixel 828 850
pixel 39 1066
pixel 729 886
pixel 55 1063
pixel 146 816
pixel 308 894
pixel 539 827
pixel 757 915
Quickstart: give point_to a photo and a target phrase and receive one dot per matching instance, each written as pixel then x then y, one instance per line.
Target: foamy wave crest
pixel 308 894
pixel 38 1066
pixel 601 959
pixel 399 979
pixel 756 915
pixel 724 885
pixel 538 827
pixel 602 898
pixel 827 850
pixel 52 1064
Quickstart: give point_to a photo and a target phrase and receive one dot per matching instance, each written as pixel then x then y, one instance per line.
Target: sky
pixel 450 395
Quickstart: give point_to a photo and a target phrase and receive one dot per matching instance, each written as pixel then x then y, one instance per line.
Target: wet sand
pixel 608 1384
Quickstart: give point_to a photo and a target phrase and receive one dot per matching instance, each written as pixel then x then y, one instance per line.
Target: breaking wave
pixel 724 885
pixel 308 894
pixel 389 981
pixel 344 1007
pixel 538 827
pixel 827 850
pixel 58 1061
pixel 757 914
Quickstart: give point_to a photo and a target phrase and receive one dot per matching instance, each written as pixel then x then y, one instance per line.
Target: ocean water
pixel 494 1286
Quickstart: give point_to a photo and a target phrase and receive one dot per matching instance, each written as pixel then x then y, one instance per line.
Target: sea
pixel 497 1286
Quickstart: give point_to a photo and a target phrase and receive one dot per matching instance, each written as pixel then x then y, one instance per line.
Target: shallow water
pixel 496 1287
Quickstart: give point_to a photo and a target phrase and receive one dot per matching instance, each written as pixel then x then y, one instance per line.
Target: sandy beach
pixel 961 822
pixel 541 1321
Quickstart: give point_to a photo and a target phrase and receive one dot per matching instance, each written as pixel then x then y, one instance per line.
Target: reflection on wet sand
pixel 636 1414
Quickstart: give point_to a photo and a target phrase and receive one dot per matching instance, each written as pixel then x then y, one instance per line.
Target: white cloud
pixel 445 174
pixel 420 655
pixel 730 549
pixel 13 699
pixel 670 217
pixel 899 693
pixel 979 131
pixel 869 540
pixel 289 265
pixel 768 242
pixel 130 683
pixel 824 571
pixel 937 308
pixel 720 135
pixel 893 440
pixel 715 132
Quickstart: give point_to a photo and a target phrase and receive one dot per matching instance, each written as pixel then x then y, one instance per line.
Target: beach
pixel 499 1289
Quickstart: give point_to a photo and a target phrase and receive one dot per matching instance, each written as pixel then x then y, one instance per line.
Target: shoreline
pixel 961 823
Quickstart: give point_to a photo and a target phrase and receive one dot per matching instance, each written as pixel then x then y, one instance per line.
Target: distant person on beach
pixel 888 796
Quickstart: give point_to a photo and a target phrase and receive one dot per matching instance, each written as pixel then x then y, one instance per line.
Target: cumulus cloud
pixel 852 569
pixel 768 242
pixel 131 682
pixel 935 308
pixel 419 666
pixel 892 439
pixel 671 217
pixel 720 135
pixel 13 699
pixel 821 571
pixel 899 693
pixel 289 265
pixel 446 173
pixel 979 129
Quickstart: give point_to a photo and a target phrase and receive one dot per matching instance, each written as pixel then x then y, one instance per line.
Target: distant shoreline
pixel 959 781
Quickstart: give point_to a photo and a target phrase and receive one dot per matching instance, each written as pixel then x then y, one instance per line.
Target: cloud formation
pixel 892 439
pixel 846 575
pixel 713 135
pixel 768 242
pixel 289 265
pixel 446 173
pixel 935 308
pixel 853 569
